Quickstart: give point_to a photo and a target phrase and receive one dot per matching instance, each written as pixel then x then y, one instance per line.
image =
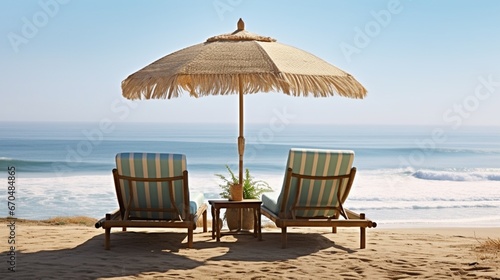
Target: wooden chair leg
pixel 107 237
pixel 205 221
pixel 190 237
pixel 362 233
pixel 336 216
pixel 363 238
pixel 283 237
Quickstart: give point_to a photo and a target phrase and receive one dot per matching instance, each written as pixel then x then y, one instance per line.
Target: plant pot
pixel 233 218
pixel 236 192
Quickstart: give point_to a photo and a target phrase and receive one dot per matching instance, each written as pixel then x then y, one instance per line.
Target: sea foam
pixel 456 175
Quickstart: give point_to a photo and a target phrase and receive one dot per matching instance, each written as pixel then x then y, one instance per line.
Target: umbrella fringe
pixel 222 84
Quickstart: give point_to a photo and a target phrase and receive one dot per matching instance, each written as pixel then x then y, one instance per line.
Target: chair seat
pixel 196 201
pixel 270 203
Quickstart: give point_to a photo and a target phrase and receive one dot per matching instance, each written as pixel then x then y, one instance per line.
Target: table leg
pixel 259 226
pixel 240 219
pixel 213 221
pixel 255 223
pixel 217 227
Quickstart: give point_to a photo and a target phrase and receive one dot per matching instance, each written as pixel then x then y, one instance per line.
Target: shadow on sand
pixel 150 253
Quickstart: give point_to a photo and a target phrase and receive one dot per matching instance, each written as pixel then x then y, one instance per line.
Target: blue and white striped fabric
pixel 154 194
pixel 314 192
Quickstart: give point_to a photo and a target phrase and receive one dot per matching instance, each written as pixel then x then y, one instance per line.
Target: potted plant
pixel 251 188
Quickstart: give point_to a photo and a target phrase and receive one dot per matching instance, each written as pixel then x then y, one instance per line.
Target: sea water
pixel 408 176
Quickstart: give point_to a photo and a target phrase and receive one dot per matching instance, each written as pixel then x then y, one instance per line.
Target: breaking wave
pixel 457 175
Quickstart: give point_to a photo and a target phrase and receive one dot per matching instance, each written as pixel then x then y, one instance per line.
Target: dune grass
pixel 488 251
pixel 75 220
pixel 489 246
pixel 57 221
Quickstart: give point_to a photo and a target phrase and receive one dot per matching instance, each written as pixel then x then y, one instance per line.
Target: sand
pixel 77 252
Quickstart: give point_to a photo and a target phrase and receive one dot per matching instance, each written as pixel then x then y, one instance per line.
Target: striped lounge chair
pixel 316 185
pixel 152 191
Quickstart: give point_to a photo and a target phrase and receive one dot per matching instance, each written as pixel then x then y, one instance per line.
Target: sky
pixel 422 62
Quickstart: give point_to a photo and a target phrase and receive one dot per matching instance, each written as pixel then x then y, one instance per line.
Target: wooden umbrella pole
pixel 241 139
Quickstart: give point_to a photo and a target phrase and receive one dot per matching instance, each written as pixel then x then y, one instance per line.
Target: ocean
pixel 408 176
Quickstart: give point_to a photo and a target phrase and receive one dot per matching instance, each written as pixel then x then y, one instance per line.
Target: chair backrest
pixel 316 183
pixel 156 182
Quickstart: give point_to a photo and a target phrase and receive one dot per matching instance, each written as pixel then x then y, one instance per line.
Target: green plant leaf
pixel 252 189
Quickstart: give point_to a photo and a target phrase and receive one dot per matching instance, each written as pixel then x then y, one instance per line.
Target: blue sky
pixel 423 62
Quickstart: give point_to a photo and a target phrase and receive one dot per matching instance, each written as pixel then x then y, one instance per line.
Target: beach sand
pixel 77 252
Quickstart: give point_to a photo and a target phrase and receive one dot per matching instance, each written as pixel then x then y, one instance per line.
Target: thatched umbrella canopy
pixel 243 63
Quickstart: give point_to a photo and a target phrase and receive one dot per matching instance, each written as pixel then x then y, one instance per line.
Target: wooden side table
pixel 245 203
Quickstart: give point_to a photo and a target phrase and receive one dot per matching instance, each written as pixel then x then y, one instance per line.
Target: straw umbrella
pixel 241 62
